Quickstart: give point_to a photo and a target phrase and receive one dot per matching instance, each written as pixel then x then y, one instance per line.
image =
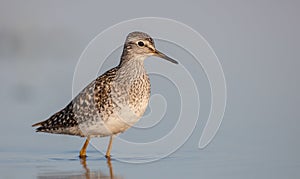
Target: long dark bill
pixel 161 55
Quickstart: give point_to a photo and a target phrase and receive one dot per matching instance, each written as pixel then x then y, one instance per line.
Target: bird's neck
pixel 132 67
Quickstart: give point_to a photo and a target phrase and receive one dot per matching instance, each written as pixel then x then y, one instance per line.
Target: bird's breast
pixel 132 95
pixel 129 102
pixel 139 94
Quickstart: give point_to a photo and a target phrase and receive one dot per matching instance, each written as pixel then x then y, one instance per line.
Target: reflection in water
pixel 87 173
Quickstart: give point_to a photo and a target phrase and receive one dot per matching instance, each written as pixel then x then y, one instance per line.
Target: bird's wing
pixel 86 106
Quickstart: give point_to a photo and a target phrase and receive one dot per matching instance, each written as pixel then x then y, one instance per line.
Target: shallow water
pixel 59 162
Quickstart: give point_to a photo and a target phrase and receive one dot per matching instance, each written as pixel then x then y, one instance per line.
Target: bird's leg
pixel 82 153
pixel 109 147
pixel 110 168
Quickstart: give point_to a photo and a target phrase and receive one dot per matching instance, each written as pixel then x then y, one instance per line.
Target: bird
pixel 113 102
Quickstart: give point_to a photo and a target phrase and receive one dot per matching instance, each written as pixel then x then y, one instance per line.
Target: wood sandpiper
pixel 111 103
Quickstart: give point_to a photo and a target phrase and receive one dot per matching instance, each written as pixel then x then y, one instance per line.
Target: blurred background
pixel 257 43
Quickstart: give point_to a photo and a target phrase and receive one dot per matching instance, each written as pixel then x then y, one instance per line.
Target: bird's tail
pixel 40 126
pixel 37 124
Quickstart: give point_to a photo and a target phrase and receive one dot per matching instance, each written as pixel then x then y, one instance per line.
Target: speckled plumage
pixel 114 101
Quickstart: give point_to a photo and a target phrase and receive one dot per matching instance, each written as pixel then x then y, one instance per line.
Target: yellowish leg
pixel 110 168
pixel 109 147
pixel 82 153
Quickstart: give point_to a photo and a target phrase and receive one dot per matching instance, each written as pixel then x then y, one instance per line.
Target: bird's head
pixel 141 45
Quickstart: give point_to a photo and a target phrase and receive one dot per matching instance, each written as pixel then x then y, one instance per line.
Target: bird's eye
pixel 141 44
